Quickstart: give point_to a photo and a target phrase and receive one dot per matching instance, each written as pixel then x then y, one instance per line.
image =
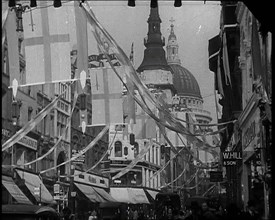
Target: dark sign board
pixel 216 176
pixel 230 157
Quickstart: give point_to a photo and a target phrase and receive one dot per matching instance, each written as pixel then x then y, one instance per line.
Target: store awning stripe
pixel 104 194
pixel 33 181
pixel 138 196
pixel 129 195
pixel 121 195
pixel 14 190
pixel 89 192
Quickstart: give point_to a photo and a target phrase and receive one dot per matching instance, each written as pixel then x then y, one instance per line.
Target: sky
pixel 195 22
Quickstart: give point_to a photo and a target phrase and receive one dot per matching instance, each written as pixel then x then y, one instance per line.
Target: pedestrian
pixel 131 214
pixel 141 215
pixel 67 214
pixel 219 213
pixel 181 215
pixel 232 212
pixel 252 213
pixel 92 215
pixel 206 213
pixel 194 213
pixel 135 214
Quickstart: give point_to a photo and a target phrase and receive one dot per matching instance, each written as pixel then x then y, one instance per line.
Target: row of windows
pixel 123 151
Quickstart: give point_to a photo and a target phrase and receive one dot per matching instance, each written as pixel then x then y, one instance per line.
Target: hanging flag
pixel 131 57
pixel 20 158
pixel 106 96
pixel 82 43
pixel 5 11
pixel 13 51
pixel 219 76
pixel 130 103
pixel 226 61
pixel 47 44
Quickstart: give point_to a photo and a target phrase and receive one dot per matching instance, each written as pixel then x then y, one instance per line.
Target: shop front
pixel 252 186
pixel 31 184
pixel 14 191
pixel 89 191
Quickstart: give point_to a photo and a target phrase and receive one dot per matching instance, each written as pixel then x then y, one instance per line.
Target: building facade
pixel 249 51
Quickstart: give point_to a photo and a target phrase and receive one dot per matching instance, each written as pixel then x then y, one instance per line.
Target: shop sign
pixel 91 179
pixel 230 157
pixel 250 135
pixel 28 142
pixel 56 188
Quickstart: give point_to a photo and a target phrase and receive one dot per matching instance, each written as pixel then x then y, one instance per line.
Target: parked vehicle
pixel 28 212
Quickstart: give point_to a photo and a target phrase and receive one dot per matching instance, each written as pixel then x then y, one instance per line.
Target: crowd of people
pixel 193 212
pixel 204 212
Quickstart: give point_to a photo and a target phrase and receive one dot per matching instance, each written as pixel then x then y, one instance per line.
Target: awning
pixel 138 195
pixel 14 190
pixel 33 181
pixel 129 195
pixel 89 192
pixel 104 194
pixel 152 193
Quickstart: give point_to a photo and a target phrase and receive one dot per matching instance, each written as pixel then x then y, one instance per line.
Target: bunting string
pixel 60 137
pixel 163 168
pixel 93 142
pixel 135 161
pixel 103 156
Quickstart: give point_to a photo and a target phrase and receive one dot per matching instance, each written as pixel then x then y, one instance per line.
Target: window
pixel 136 149
pixel 118 149
pixel 125 151
pixel 30 109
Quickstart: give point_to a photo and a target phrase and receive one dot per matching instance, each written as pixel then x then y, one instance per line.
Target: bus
pixel 166 205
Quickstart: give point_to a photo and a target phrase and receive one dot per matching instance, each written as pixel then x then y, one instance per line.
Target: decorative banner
pixel 102 157
pixel 130 106
pixel 225 59
pixel 13 51
pixel 82 44
pixel 134 162
pixel 5 12
pixel 47 44
pixel 83 151
pixel 106 96
pixel 60 137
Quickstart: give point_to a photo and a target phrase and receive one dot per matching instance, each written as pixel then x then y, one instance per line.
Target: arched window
pixel 118 149
pixel 125 151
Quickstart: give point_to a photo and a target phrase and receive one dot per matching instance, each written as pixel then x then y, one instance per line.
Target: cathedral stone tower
pixel 154 70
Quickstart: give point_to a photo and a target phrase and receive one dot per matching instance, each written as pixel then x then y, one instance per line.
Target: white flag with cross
pixel 106 96
pixel 47 44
